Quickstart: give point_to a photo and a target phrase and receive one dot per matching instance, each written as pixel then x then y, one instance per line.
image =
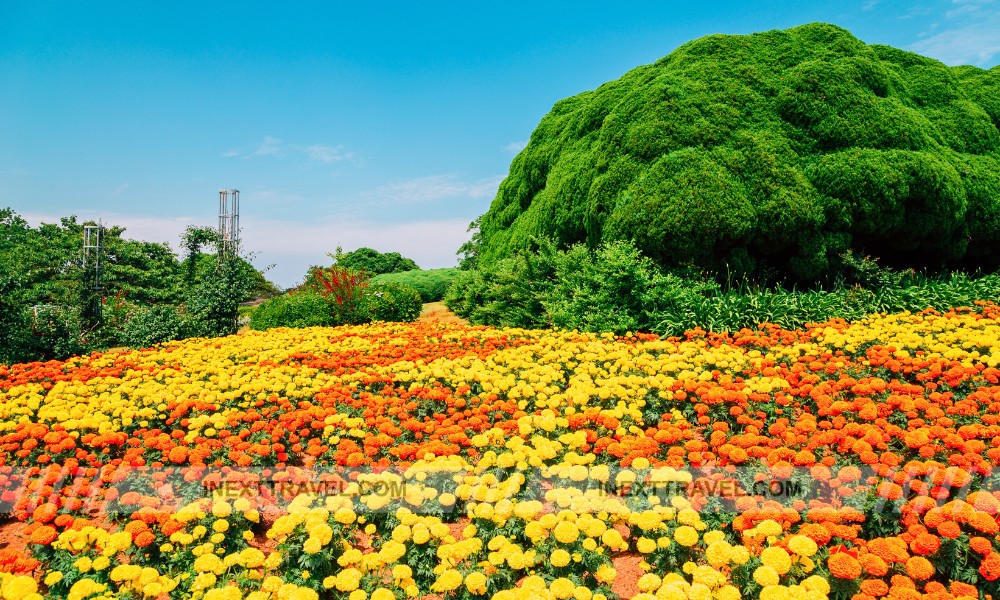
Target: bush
pixel 766 153
pixel 153 325
pixel 298 309
pixel 391 301
pixel 616 289
pixel 604 291
pixel 374 262
pixel 343 289
pixel 432 284
pixel 13 323
pixel 508 293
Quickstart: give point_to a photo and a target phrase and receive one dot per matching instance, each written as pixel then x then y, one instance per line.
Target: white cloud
pixel 269 146
pixel 870 5
pixel 121 188
pixel 515 147
pixel 968 34
pixel 434 187
pixel 276 147
pixel 327 154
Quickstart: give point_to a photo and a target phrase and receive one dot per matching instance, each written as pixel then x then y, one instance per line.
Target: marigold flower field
pixel 394 461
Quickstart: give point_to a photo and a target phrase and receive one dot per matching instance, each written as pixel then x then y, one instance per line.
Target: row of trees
pixel 49 308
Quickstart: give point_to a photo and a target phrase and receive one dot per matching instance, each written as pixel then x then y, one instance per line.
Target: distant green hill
pixel 777 150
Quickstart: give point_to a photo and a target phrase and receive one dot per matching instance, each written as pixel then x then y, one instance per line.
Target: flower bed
pixel 394 461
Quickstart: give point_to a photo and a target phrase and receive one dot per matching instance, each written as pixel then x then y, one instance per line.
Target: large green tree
pixel 771 152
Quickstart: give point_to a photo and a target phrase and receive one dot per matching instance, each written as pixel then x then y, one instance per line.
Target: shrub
pixel 153 325
pixel 298 309
pixel 343 289
pixel 604 291
pixel 391 301
pixel 508 293
pixel 432 284
pixel 770 152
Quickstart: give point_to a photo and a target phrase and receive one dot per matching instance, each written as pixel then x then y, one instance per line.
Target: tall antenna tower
pixel 229 223
pixel 93 245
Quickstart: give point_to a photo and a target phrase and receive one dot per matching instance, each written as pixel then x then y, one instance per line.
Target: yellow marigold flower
pixel 562 588
pixel 566 532
pixel 220 526
pixel 312 546
pixel 645 545
pixel 348 580
pixel 221 509
pixel 777 559
pixel 728 592
pixel 768 528
pixel 344 516
pixel 559 558
pixel 83 564
pixel 815 583
pixel 803 546
pixel 447 581
pixel 605 573
pixel 685 535
pixel 475 582
pixel 421 535
pixel 53 578
pixel 382 594
pixel 766 575
pixel 101 562
pixel 649 582
pixel 271 583
pixel 589 544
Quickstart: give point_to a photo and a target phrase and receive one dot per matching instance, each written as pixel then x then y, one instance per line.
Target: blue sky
pixel 387 125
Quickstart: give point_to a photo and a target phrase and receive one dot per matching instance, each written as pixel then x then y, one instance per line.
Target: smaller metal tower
pixel 93 246
pixel 229 223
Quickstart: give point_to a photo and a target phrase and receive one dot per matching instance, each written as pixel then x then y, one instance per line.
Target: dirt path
pixel 437 312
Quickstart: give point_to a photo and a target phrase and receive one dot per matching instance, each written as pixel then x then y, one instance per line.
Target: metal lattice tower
pixel 93 238
pixel 229 223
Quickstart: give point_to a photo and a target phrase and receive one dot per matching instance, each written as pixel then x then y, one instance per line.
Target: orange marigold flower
pixel 981 545
pixel 902 581
pixel 963 589
pixel 874 587
pixel 874 565
pixel 990 567
pixel 891 550
pixel 144 538
pixel 984 523
pixel 949 529
pixel 844 566
pixel 44 535
pixel 925 544
pixel 45 512
pixel 919 568
pixel 177 454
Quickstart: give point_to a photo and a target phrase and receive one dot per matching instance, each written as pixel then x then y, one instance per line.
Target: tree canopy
pixel 776 151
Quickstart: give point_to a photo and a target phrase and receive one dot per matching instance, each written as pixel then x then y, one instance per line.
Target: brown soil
pixel 437 312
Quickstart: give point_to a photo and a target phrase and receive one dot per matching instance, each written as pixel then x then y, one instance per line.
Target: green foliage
pixel 153 325
pixel 392 301
pixel 431 284
pixel 212 306
pixel 604 291
pixel 136 278
pixel 373 262
pixel 297 309
pixel 13 323
pixel 616 289
pixel 766 156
